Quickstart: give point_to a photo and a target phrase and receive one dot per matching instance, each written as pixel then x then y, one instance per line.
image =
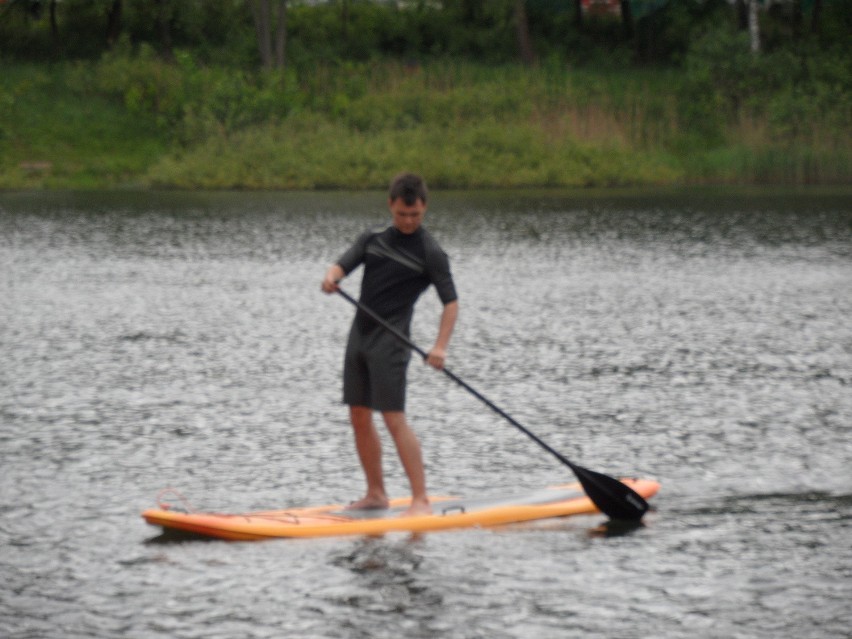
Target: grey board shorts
pixel 374 370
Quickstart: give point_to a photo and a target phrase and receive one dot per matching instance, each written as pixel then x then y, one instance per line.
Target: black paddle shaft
pixel 612 497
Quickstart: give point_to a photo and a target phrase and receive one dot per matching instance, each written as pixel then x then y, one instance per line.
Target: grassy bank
pixel 53 137
pixel 139 122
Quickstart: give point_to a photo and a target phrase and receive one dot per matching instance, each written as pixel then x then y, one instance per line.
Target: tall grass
pixel 134 119
pixel 466 125
pixel 307 152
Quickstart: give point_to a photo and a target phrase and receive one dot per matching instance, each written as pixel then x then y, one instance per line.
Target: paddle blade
pixel 613 498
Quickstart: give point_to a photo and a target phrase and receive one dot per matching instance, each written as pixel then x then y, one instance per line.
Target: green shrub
pixel 189 99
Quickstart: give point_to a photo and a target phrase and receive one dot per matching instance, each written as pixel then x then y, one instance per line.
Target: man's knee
pixel 361 416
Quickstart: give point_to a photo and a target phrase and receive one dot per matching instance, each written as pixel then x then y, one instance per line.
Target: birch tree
pixel 522 32
pixel 753 26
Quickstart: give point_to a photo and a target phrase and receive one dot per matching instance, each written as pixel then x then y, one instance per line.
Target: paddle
pixel 613 498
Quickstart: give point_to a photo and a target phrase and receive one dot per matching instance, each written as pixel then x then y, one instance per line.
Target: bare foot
pixel 418 507
pixel 369 503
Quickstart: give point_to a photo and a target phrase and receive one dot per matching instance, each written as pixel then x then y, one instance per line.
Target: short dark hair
pixel 410 187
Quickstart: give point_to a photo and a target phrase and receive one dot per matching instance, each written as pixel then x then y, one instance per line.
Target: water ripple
pixel 153 340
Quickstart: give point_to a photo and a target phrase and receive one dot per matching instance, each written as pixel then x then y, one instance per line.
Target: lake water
pixel 153 340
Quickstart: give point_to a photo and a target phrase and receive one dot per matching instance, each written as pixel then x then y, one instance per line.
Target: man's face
pixel 407 217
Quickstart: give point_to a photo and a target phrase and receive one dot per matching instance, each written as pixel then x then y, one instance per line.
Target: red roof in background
pixel 601 7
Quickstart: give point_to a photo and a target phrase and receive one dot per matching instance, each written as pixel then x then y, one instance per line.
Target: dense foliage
pixel 223 32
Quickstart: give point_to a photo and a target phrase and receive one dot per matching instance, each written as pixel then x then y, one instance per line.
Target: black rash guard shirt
pixel 397 269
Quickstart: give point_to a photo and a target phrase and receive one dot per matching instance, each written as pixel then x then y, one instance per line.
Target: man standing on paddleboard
pixel 400 262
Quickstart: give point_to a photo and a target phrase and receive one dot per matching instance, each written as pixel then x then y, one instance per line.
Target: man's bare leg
pixel 369 448
pixel 408 448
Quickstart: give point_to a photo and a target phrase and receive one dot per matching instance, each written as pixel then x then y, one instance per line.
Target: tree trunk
pixel 260 12
pixel 578 14
pixel 164 28
pixel 54 26
pixel 281 35
pixel 522 27
pixel 344 19
pixel 626 20
pixel 114 23
pixel 742 14
pixel 797 19
pixel 815 17
pixel 753 26
pixel 267 21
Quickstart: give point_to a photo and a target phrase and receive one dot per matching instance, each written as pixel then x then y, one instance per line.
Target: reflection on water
pixel 179 339
pixel 616 528
pixel 388 580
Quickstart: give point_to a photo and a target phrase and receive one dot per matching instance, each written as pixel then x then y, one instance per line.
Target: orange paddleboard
pixel 326 521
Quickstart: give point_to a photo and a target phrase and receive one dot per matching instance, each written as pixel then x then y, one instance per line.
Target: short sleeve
pixel 354 256
pixel 438 269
